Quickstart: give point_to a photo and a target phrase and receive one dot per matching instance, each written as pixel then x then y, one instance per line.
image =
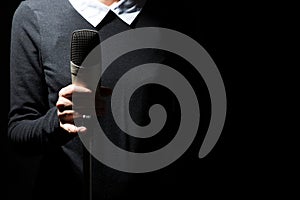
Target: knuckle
pixel 59 102
pixel 72 88
pixel 61 92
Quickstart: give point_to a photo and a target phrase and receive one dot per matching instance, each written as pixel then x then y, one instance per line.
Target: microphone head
pixel 82 43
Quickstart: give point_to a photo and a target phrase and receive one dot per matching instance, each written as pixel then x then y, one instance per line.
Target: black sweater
pixel 40 67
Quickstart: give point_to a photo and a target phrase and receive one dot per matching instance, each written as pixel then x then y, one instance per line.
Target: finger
pixel 70 89
pixel 64 104
pixel 72 129
pixel 66 116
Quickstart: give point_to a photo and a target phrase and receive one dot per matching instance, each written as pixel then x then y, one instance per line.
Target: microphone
pixel 82 43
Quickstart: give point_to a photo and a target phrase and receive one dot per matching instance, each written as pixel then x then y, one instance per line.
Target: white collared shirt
pixel 94 11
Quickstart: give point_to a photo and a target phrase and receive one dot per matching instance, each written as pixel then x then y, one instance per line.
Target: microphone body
pixel 82 43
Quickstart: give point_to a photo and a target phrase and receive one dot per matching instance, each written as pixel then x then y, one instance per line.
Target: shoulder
pixel 41 6
pixel 30 14
pixel 39 10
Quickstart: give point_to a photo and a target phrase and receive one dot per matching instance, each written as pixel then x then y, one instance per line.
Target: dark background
pixel 246 161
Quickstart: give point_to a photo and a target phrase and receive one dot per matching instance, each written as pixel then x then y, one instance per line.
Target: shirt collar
pixel 94 11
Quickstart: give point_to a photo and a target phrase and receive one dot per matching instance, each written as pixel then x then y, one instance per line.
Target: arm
pixel 31 120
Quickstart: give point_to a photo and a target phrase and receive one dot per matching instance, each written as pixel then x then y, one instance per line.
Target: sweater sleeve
pixel 31 120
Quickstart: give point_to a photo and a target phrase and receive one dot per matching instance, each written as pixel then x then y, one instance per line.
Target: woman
pixel 41 117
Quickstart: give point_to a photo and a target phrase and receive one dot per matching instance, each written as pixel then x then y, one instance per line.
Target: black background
pixel 246 161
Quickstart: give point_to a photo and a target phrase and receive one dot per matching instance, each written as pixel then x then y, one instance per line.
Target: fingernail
pixel 82 129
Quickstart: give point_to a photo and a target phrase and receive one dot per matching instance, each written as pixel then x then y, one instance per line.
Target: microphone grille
pixel 82 43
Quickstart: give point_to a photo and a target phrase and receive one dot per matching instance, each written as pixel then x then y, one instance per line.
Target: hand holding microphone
pixel 82 43
pixel 64 106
